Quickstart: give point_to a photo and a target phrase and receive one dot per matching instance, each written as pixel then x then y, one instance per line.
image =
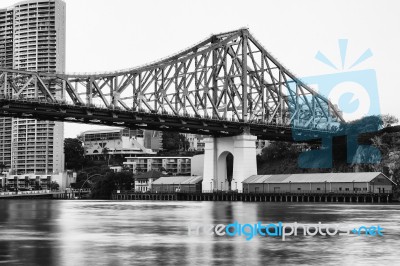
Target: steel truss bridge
pixel 225 85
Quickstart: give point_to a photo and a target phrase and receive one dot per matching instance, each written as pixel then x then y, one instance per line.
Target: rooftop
pixel 181 180
pixel 102 130
pixel 359 177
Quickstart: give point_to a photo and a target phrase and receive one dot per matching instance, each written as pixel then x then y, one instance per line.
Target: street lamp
pixel 211 182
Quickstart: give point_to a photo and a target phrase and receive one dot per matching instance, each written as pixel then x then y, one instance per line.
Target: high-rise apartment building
pixel 32 38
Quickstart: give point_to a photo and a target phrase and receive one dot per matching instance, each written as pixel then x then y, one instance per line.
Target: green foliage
pixel 173 141
pixel 366 124
pixel 389 120
pixel 104 186
pixel 54 185
pixel 74 154
pixel 89 171
pixel 278 150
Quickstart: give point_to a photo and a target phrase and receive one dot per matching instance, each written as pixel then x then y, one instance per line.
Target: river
pixel 56 232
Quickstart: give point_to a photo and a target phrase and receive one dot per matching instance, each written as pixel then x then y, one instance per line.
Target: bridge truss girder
pixel 228 77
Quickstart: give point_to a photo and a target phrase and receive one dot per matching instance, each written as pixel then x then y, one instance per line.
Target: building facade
pixel 36 182
pixel 32 38
pixel 171 165
pixel 178 184
pixel 119 141
pixel 361 182
pixel 196 142
pixel 144 181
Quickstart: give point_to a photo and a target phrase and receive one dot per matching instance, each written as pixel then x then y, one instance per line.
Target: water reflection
pixel 45 232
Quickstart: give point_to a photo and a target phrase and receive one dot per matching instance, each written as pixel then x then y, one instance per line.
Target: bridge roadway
pixel 43 110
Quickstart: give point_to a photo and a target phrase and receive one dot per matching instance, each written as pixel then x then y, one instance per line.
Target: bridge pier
pixel 243 149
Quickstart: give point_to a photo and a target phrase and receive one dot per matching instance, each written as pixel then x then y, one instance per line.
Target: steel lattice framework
pixel 224 85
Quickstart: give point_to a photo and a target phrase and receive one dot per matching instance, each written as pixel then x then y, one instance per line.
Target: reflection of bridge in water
pixel 226 86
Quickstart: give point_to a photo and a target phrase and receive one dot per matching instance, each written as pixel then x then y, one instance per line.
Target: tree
pixel 74 153
pixel 277 150
pixel 105 185
pixel 89 171
pixel 389 120
pixel 2 167
pixel 105 152
pixel 54 185
pixel 173 141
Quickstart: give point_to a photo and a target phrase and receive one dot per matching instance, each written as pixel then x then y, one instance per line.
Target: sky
pixel 106 35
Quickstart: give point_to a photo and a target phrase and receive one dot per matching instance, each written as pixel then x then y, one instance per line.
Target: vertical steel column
pixel 63 90
pixel 89 90
pixel 280 96
pixel 264 91
pixel 115 92
pixel 5 83
pixel 244 75
pixel 156 95
pixel 214 80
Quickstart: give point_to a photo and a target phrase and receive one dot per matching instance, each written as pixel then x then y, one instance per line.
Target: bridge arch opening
pixel 225 171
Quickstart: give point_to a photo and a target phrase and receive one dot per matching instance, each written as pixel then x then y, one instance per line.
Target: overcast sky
pixel 116 34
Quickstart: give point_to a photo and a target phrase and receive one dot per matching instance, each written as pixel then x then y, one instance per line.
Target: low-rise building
pixel 196 142
pixel 36 181
pixel 177 184
pixel 375 182
pixel 143 182
pixel 172 165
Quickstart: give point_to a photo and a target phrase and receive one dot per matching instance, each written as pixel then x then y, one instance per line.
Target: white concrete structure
pixel 243 149
pixel 197 165
pixel 117 141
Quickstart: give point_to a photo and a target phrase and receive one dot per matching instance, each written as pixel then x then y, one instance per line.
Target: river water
pixel 53 232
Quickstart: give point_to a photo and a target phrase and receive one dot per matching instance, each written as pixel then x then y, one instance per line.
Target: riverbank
pixel 259 197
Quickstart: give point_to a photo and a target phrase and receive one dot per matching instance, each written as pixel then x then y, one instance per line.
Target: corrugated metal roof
pixel 150 174
pixel 183 180
pixel 314 178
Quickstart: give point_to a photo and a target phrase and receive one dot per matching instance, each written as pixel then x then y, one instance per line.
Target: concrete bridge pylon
pixel 216 175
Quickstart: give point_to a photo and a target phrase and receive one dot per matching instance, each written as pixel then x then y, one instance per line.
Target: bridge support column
pixel 243 149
